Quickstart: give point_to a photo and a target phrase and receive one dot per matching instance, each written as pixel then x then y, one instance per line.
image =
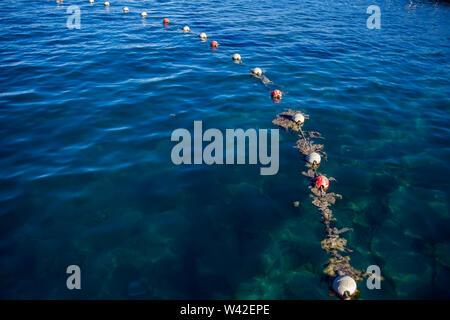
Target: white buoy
pixel 313 157
pixel 186 29
pixel 344 286
pixel 91 1
pixel 203 36
pixel 257 72
pixel 237 57
pixel 299 118
pixel 106 4
pixel 125 9
pixel 144 14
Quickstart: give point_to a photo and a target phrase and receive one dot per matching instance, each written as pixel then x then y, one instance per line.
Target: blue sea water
pixel 86 176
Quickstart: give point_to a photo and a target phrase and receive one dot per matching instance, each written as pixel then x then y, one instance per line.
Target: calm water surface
pixel 85 171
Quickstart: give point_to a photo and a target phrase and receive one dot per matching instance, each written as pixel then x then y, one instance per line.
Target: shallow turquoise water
pixel 85 171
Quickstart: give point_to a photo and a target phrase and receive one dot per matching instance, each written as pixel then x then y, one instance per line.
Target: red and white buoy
pixel 214 44
pixel 257 72
pixel 322 182
pixel 345 287
pixel 299 118
pixel 313 159
pixel 237 57
pixel 276 94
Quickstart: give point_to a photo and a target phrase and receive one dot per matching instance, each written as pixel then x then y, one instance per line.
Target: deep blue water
pixel 85 172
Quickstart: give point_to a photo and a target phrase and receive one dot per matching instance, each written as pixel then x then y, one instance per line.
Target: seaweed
pixel 333 244
pixel 285 121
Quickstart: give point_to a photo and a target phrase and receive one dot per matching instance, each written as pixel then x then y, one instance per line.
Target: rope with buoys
pixel 275 92
pixel 337 268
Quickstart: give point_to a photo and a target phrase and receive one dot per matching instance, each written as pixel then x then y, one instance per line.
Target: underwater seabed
pixel 86 177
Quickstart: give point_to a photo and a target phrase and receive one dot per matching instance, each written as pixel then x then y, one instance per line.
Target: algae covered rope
pixel 338 265
pixel 285 120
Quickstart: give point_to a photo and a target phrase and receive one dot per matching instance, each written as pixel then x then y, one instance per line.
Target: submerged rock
pixel 443 254
pixel 136 288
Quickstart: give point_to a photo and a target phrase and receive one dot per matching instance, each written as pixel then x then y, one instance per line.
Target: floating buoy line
pixel 343 277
